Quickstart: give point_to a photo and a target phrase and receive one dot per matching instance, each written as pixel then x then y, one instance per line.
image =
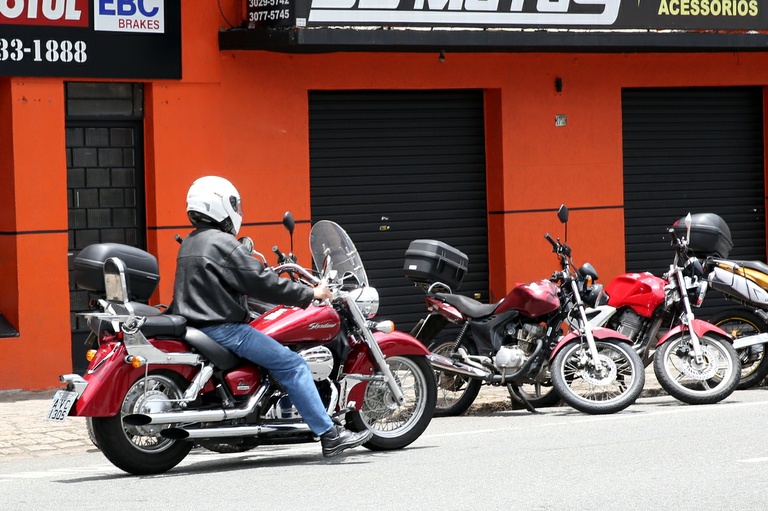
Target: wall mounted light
pixel 441 57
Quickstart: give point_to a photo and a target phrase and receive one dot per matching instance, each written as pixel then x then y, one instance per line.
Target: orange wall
pixel 244 115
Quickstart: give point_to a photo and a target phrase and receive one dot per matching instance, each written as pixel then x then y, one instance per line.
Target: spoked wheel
pixel 396 426
pixel 608 386
pixel 696 382
pixel 140 449
pixel 754 360
pixel 455 393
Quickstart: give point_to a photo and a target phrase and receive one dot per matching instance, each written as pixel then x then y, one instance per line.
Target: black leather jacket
pixel 215 275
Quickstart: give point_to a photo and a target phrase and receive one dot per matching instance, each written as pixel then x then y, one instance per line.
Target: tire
pixel 140 450
pixel 754 359
pixel 89 428
pixel 708 383
pixel 393 426
pixel 580 387
pixel 455 393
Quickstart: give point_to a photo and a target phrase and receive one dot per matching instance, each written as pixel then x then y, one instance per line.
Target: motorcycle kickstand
pixel 517 397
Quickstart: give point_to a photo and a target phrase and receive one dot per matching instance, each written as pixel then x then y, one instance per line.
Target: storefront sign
pixel 692 15
pixel 132 39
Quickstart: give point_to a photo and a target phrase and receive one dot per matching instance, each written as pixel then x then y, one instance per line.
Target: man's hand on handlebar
pixel 322 292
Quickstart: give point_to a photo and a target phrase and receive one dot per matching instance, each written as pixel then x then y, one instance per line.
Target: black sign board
pixel 129 39
pixel 686 15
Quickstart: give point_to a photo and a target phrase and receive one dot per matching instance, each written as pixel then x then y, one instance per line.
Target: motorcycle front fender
pixel 111 378
pixel 598 333
pixel 393 344
pixel 700 327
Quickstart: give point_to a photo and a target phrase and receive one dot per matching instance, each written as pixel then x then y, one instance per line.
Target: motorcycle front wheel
pixel 140 450
pixel 707 381
pixel 754 360
pixel 455 393
pixel 609 385
pixel 396 426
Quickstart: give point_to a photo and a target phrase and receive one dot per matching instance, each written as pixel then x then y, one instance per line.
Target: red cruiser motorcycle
pixel 155 387
pixel 519 341
pixel 693 360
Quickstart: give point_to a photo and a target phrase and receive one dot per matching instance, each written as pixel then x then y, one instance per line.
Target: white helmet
pixel 215 201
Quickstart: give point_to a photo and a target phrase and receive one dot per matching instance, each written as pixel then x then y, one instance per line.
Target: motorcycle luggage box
pixel 430 261
pixel 142 275
pixel 710 235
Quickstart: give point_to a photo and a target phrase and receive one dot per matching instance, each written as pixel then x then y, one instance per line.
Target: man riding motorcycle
pixel 215 275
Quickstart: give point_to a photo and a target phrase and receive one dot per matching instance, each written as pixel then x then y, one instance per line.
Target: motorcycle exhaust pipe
pixel 192 416
pixel 208 433
pixel 448 365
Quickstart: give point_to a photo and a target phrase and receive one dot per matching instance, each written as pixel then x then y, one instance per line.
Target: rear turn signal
pixel 90 354
pixel 136 361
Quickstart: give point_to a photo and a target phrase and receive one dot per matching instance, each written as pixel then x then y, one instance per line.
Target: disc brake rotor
pixel 601 374
pixel 703 370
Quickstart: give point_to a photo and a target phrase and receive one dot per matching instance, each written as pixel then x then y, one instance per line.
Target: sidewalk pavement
pixel 24 432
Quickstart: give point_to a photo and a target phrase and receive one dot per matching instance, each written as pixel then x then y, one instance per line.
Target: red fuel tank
pixel 533 299
pixel 293 325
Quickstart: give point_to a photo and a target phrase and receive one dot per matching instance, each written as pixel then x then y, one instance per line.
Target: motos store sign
pixel 90 38
pixel 602 14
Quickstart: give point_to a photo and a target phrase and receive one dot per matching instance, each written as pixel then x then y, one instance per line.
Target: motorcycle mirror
pixel 688 222
pixel 247 242
pixel 289 222
pixel 290 225
pixel 562 214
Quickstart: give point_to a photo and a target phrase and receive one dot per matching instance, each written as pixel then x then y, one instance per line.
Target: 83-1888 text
pixel 43 50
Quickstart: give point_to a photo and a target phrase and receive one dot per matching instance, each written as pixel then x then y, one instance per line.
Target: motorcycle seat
pixel 467 306
pixel 220 356
pixel 164 325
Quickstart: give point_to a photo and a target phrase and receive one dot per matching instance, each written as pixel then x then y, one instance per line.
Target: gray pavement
pixel 24 432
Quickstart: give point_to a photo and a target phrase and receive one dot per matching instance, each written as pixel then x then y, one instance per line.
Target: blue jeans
pixel 287 366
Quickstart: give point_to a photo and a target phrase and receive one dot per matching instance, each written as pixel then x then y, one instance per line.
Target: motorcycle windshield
pixel 328 238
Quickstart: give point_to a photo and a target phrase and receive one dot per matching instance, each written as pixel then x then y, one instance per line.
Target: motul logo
pixel 69 13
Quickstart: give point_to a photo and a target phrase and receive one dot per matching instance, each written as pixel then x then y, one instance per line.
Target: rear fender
pixel 700 327
pixel 598 333
pixel 111 377
pixel 360 360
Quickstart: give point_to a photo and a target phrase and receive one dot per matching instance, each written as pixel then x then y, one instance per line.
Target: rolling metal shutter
pixel 692 150
pixel 394 166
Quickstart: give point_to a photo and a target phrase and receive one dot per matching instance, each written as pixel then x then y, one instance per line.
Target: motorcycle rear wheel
pixel 754 359
pixel 697 384
pixel 541 393
pixel 581 387
pixel 140 450
pixel 395 426
pixel 455 393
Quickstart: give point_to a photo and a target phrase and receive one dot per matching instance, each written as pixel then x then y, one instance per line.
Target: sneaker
pixel 338 439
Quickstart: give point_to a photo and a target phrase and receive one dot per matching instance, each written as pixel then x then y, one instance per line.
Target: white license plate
pixel 62 403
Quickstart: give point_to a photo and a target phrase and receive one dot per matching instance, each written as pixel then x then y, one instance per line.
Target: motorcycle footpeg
pixel 338 417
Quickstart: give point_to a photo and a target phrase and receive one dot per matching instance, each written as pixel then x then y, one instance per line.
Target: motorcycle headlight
pixel 367 300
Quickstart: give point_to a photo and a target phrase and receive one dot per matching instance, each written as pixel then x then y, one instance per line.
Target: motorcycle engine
pixel 629 324
pixel 320 362
pixel 511 357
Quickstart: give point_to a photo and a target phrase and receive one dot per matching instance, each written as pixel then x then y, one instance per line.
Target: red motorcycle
pixel 155 386
pixel 693 360
pixel 519 342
